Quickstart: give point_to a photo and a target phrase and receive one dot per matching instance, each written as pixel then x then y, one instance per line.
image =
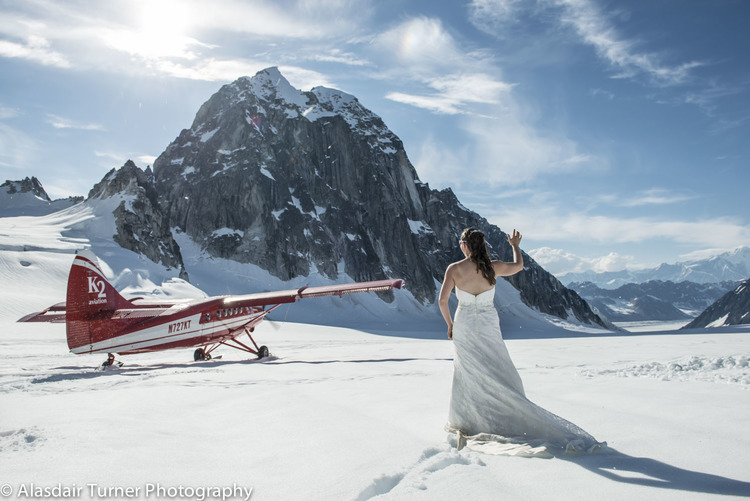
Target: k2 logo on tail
pixel 96 286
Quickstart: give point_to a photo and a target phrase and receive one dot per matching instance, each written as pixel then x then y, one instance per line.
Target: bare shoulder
pixel 457 267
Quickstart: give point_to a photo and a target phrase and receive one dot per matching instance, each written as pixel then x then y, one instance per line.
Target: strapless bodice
pixel 483 299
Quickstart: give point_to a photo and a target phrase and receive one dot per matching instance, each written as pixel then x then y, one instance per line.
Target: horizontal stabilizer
pixel 55 314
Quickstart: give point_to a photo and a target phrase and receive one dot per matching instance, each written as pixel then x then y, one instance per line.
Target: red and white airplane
pixel 100 320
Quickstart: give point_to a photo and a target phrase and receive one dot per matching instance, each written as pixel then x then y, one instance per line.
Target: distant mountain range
pixel 730 266
pixel 652 300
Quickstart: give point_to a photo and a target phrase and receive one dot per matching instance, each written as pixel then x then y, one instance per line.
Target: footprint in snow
pixel 16 440
pixel 414 478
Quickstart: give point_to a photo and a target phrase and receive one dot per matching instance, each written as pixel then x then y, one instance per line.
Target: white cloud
pixel 64 123
pixel 655 196
pixel 146 159
pixel 309 19
pixel 438 104
pixel 702 254
pixel 420 46
pixel 176 38
pixel 341 57
pixel 452 93
pixel 560 262
pixel 551 223
pixel 34 48
pixel 491 15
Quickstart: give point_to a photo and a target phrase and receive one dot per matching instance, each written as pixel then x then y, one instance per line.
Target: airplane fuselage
pixel 161 328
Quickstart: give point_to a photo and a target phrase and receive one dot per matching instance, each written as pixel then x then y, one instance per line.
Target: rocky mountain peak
pixel 26 185
pixel 28 197
pixel 733 308
pixel 311 183
pixel 141 224
pixel 128 180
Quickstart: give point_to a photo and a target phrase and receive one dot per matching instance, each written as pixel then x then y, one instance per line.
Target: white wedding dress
pixel 489 411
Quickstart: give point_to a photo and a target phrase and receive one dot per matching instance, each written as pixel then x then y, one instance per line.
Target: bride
pixel 489 411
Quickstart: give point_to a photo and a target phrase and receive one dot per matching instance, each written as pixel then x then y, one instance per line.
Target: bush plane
pixel 100 320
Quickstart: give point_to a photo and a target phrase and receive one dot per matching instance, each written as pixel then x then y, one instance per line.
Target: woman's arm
pixel 445 294
pixel 503 269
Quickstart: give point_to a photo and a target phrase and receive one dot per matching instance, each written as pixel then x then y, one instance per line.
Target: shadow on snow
pixel 647 472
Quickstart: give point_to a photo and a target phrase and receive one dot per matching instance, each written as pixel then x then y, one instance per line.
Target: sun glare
pixel 162 30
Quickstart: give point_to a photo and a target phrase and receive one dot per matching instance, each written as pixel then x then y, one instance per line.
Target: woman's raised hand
pixel 515 239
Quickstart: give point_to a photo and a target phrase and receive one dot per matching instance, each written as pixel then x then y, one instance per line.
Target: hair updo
pixel 478 253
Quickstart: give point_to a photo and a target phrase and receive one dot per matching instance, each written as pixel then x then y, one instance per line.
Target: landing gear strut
pixel 259 351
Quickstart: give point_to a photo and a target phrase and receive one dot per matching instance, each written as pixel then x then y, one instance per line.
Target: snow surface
pixel 339 413
pixel 353 412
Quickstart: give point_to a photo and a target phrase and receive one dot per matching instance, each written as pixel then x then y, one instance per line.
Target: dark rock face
pixel 141 224
pixel 731 309
pixel 302 182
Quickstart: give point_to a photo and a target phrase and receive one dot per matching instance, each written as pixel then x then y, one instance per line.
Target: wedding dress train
pixel 489 411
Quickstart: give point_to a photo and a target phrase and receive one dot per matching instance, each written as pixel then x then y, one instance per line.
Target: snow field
pixel 337 413
pixel 341 412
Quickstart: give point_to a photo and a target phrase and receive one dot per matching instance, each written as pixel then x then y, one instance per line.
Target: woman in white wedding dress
pixel 489 411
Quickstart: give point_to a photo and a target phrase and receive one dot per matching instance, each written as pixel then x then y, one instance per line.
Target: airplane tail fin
pixel 89 299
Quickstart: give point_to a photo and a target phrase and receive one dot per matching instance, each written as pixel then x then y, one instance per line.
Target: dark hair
pixel 478 253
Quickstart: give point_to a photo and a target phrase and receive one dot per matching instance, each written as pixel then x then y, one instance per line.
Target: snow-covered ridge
pixel 275 91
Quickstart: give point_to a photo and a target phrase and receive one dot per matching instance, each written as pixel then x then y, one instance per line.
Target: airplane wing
pixel 294 295
pixel 56 313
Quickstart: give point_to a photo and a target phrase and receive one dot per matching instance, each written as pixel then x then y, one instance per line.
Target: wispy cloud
pixel 341 57
pixel 450 94
pixel 655 196
pixel 595 29
pixel 7 112
pixel 36 49
pixel 602 93
pixel 491 16
pixel 64 123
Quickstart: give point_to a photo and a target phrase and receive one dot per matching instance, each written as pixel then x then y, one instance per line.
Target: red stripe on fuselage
pixel 190 327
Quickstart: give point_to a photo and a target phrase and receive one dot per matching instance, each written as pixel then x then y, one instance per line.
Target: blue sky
pixel 612 134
